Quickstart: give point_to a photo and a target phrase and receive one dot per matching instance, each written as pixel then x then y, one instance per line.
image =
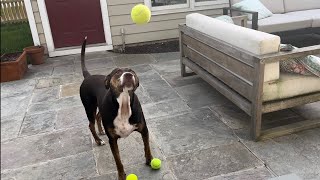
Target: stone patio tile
pixel 39 71
pixel 63 70
pixel 168 56
pixel 164 108
pixel 309 111
pixel 59 80
pixel 167 67
pixel 143 96
pixel 48 82
pixel 54 105
pixel 71 78
pixel 175 80
pixel 96 55
pixel 41 148
pixel 190 132
pixel 213 161
pixel 146 74
pixel 15 88
pixel 159 90
pixel 250 174
pixel 96 64
pixel 38 123
pixel 235 118
pixel 295 153
pixel 143 172
pixel 103 71
pixel 133 59
pixel 131 153
pixel 45 94
pixel 200 95
pixel 72 167
pixel 71 117
pixel 70 90
pixel 10 127
pixel 59 61
pixel 15 105
pixel 232 116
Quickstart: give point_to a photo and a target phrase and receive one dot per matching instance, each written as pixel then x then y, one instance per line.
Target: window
pixel 182 5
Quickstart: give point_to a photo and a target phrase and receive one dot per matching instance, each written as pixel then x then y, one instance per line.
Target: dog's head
pixel 122 79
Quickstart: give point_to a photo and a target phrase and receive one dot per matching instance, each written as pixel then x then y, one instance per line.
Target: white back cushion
pixel 275 6
pixel 253 41
pixel 300 5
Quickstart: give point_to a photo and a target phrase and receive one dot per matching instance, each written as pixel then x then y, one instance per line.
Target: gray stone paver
pixel 77 166
pixel 260 173
pixel 197 132
pixel 38 123
pixel 214 161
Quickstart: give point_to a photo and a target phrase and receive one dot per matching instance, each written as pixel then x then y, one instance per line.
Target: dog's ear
pixel 108 78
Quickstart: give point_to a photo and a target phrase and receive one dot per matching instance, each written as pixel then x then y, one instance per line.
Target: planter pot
pixel 14 70
pixel 36 54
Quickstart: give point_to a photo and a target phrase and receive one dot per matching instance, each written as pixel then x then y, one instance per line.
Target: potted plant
pixel 13 66
pixel 36 54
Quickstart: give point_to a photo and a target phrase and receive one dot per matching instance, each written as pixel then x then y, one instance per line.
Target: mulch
pixel 10 56
pixel 163 47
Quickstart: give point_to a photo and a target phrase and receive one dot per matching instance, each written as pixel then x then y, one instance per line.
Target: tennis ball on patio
pixel 140 14
pixel 156 163
pixel 132 177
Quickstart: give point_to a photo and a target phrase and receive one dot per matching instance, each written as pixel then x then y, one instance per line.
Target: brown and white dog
pixel 119 108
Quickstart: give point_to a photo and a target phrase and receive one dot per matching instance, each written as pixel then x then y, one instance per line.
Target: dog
pixel 119 108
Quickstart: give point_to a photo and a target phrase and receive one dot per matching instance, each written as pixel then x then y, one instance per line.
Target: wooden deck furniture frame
pixel 239 75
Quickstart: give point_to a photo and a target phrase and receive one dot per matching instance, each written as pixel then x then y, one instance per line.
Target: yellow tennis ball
pixel 156 163
pixel 140 14
pixel 132 177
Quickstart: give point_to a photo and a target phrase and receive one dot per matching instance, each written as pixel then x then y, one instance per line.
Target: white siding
pixel 164 26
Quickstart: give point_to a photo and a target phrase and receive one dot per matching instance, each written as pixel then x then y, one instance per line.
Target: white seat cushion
pixel 290 85
pixel 250 40
pixel 275 6
pixel 300 5
pixel 282 22
pixel 313 14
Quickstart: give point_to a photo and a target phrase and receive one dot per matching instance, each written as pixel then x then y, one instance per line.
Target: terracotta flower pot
pixel 14 70
pixel 36 54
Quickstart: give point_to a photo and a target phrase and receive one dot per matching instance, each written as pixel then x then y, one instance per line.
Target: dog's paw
pixel 101 143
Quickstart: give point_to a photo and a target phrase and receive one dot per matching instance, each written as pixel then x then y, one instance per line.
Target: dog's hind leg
pixel 99 123
pixel 91 110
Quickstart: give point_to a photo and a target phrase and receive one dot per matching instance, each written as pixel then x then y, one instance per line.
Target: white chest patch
pixel 121 123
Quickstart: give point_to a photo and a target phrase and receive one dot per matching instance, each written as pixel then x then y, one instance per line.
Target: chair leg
pixel 256 124
pixel 183 70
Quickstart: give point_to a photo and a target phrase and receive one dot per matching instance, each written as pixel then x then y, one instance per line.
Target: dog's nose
pixel 128 76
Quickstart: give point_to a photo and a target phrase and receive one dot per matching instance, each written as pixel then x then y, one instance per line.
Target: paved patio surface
pixel 197 132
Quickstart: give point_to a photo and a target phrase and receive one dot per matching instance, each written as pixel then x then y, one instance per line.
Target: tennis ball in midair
pixel 156 163
pixel 140 14
pixel 132 177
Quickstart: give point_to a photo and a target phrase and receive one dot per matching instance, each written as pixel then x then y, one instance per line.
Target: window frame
pixel 191 5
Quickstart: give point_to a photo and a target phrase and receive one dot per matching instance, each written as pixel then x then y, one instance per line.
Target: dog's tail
pixel 85 71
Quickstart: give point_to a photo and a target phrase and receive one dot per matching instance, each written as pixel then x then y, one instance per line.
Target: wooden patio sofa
pixel 242 75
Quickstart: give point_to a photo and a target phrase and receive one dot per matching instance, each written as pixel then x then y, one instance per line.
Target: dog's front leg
pixel 145 137
pixel 115 151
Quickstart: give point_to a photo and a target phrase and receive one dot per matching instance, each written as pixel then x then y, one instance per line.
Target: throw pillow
pixel 253 5
pixel 309 65
pixel 225 18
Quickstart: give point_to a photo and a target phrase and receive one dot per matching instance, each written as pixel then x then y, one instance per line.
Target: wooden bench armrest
pixel 254 15
pixel 281 56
